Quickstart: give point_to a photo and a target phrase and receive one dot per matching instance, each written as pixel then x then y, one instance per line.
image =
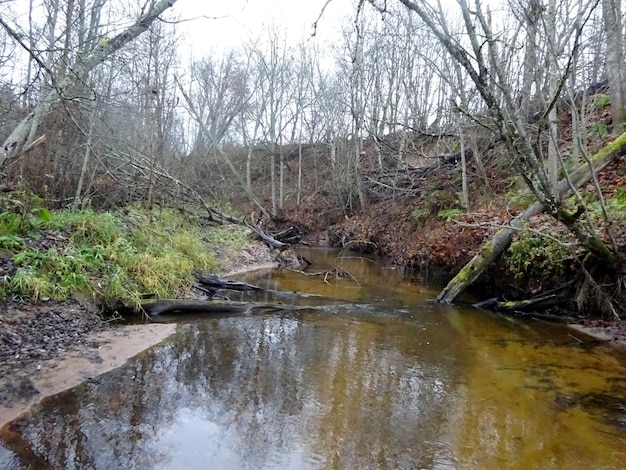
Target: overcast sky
pixel 238 20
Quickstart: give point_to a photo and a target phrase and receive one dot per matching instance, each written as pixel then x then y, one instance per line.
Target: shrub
pixel 534 259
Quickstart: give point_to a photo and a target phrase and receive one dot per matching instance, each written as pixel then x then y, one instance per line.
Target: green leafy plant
pixel 617 204
pixel 11 242
pixel 449 214
pixel 533 258
pixel 418 217
pixel 440 199
pixel 518 196
pixel 600 129
pixel 601 101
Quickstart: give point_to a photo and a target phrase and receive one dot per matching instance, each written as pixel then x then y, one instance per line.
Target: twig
pixel 574 337
pixel 516 229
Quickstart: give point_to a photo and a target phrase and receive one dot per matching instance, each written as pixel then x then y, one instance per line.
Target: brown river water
pixel 366 372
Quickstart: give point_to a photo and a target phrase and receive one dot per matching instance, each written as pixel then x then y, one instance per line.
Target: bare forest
pixel 434 132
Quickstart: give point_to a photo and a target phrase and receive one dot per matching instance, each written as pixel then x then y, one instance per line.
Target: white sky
pixel 238 20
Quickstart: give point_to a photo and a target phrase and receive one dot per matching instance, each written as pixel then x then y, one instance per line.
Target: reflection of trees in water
pixel 313 391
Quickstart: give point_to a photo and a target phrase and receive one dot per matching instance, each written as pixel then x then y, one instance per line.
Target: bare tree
pixel 65 84
pixel 612 14
pixel 482 60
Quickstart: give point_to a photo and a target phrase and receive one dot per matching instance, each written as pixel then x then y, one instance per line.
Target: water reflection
pixel 256 393
pixel 394 382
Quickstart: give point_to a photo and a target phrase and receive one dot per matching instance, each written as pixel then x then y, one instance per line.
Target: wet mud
pixel 49 347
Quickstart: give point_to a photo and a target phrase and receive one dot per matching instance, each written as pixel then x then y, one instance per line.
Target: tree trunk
pixel 83 171
pixel 611 11
pixel 495 246
pixel 77 76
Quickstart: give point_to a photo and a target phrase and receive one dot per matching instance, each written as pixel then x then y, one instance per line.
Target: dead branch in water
pixel 337 271
pixel 160 307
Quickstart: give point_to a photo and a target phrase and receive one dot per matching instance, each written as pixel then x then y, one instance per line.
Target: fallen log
pixel 511 306
pixel 160 307
pixel 267 238
pixel 495 246
pixel 517 309
pixel 291 235
pixel 213 282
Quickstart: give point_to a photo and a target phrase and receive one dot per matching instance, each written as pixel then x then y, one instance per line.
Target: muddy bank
pixel 50 346
pixel 32 334
pixel 94 354
pixel 613 333
pixel 47 347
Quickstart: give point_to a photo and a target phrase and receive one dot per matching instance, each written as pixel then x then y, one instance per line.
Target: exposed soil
pixel 49 346
pixel 614 333
pixel 33 333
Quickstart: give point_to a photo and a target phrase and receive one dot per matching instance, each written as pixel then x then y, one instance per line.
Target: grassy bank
pixel 116 258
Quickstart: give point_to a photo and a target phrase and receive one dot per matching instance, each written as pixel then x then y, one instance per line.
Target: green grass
pixel 232 235
pixel 116 257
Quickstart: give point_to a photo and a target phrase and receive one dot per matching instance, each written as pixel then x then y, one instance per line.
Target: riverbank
pixel 612 333
pixel 50 346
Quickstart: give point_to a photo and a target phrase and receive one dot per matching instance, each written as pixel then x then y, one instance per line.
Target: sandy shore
pixel 100 353
pixel 614 335
pixel 258 267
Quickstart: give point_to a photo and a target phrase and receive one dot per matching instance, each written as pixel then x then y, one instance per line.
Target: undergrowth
pixel 116 257
pixel 534 260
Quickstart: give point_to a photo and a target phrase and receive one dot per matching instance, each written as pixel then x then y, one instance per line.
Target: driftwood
pixel 160 307
pixel 495 246
pixel 536 303
pixel 267 238
pixel 291 235
pixel 211 281
pixel 209 284
pixel 529 308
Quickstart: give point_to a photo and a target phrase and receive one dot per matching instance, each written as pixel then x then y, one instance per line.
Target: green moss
pixel 533 259
pixel 418 217
pixel 439 199
pixel 449 214
pixel 519 196
pixel 601 101
pixel 617 204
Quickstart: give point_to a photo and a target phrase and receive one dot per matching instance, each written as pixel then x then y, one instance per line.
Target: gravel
pixel 31 333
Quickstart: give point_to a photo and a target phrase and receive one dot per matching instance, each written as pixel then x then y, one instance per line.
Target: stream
pixel 364 372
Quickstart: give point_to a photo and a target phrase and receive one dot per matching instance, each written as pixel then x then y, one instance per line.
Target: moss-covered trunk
pixel 495 246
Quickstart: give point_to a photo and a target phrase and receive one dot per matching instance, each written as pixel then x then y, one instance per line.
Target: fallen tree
pixel 210 307
pixel 267 238
pixel 210 284
pixel 481 58
pixel 495 246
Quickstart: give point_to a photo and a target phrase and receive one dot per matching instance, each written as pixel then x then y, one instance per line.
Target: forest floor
pixel 49 346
